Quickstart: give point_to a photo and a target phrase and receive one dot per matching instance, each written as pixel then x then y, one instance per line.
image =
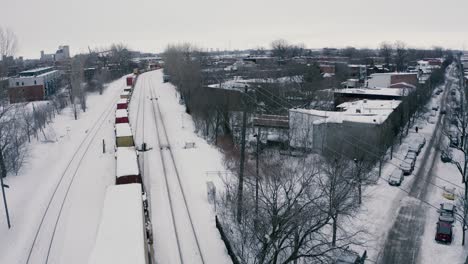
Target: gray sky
pixel 149 25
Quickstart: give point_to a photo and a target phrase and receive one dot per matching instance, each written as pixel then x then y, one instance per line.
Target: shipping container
pixel 122 104
pixel 121 116
pixel 123 135
pixel 129 80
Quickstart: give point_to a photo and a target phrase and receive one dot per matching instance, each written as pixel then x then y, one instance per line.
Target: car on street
pixel 453 141
pixel 396 177
pixel 406 167
pixel 443 232
pixel 443 112
pixel 447 212
pixel 435 107
pixel 414 147
pixel 348 258
pixel 410 155
pixel 445 156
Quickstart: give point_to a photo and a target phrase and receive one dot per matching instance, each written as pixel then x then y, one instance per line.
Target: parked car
pixel 406 167
pixel 453 141
pixel 447 212
pixel 445 157
pixel 444 232
pixel 443 112
pixel 396 177
pixel 410 155
pixel 414 147
pixel 348 258
pixel 435 107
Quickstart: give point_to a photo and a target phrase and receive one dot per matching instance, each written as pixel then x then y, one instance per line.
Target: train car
pixel 125 95
pixel 130 80
pixel 127 170
pixel 122 104
pixel 123 135
pixel 121 236
pixel 121 116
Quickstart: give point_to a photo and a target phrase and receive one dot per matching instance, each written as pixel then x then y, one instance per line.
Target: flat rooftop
pixel 374 91
pixel 361 111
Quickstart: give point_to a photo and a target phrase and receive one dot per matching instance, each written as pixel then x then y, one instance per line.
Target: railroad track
pixel 45 234
pixel 186 236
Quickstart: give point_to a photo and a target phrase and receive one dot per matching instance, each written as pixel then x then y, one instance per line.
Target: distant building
pixel 62 54
pixel 387 79
pixel 33 85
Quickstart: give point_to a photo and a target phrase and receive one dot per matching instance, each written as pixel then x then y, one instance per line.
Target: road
pixel 404 239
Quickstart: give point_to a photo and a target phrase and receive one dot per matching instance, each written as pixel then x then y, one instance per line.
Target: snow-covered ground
pixel 192 165
pixel 31 190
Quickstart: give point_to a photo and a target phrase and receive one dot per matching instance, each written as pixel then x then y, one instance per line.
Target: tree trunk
pixel 335 227
pixel 241 169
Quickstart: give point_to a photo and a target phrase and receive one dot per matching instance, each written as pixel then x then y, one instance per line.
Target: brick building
pixel 33 85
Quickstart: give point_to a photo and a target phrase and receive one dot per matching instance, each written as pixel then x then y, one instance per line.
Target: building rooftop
pixel 362 111
pixel 374 91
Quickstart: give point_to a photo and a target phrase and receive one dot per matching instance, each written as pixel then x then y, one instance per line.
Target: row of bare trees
pixel 302 211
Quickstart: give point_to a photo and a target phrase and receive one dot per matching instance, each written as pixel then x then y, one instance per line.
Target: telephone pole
pixel 240 188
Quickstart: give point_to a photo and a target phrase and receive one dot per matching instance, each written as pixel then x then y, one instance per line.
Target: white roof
pixel 123 130
pixel 121 238
pixel 375 91
pixel 122 101
pixel 127 162
pixel 121 113
pixel 361 111
pixel 125 93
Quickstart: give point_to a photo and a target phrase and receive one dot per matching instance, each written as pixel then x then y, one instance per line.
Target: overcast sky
pixel 149 25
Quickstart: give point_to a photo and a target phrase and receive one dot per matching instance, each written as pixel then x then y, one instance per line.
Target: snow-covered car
pixel 447 212
pixel 396 177
pixel 406 167
pixel 348 258
pixel 410 155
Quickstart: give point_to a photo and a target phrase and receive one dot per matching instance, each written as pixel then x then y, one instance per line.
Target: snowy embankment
pixel 31 190
pixel 195 167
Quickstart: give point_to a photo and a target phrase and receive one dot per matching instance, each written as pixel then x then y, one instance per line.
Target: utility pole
pixel 240 188
pixel 2 175
pixel 256 174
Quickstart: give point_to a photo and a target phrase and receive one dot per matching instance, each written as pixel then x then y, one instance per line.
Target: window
pixel 22 83
pixel 35 82
pixel 17 83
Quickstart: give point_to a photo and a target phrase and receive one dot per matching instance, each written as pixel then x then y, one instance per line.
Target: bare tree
pixel 386 51
pixel 461 214
pixel 293 217
pixel 77 94
pixel 401 55
pixel 280 48
pixel 8 42
pixel 338 190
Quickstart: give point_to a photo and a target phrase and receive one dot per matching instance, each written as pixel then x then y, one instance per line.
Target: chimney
pixel 42 54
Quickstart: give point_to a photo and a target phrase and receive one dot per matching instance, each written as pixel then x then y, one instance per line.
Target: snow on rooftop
pixel 125 93
pixel 121 113
pixel 362 111
pixel 122 101
pixel 123 130
pixel 121 238
pixel 127 162
pixel 36 70
pixel 375 91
